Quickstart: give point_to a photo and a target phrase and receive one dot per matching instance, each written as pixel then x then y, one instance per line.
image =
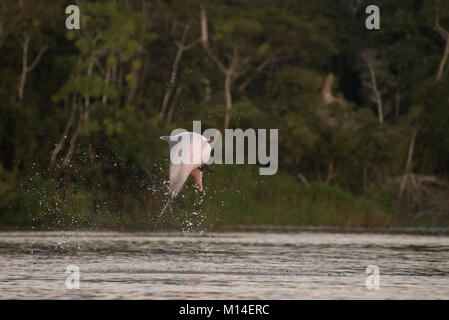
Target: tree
pixel 439 10
pixel 236 63
pixel 369 58
pixel 110 42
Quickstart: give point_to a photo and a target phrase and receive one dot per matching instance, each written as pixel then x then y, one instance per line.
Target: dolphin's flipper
pixel 205 169
pixel 198 176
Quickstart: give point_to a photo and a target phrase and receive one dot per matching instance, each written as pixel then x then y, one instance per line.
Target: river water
pixel 239 265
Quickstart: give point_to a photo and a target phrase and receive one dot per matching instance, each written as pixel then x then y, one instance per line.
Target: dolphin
pixel 189 152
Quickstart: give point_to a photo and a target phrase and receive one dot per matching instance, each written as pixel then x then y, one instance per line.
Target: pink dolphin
pixel 189 153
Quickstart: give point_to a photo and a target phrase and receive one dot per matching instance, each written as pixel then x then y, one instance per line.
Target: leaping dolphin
pixel 189 152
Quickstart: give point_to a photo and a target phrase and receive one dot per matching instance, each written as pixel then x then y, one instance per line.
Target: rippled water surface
pixel 243 265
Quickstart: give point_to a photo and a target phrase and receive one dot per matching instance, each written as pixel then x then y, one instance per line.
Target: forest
pixel 363 115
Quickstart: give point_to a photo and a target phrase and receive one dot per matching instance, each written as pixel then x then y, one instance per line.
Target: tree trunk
pixel 376 91
pixel 83 116
pixel 23 76
pixel 229 77
pixel 408 166
pixel 398 103
pixel 204 33
pixel 25 67
pixel 63 138
pixel 173 104
pixel 228 95
pixel 443 61
pixel 104 99
pixel 445 34
pixel 231 72
pixel 75 135
pixel 133 86
pixel 174 72
pixel 330 173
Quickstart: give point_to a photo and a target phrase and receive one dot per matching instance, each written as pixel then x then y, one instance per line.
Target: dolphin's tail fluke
pixel 166 206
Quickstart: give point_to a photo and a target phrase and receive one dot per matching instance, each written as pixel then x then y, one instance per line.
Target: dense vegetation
pixel 363 115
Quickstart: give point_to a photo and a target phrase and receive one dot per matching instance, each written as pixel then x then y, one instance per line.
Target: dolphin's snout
pixel 165 138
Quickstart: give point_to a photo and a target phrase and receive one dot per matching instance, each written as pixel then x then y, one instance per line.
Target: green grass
pixel 235 195
pixel 243 197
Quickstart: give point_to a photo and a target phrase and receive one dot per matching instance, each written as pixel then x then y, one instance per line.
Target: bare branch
pixel 25 67
pixel 303 179
pixel 174 72
pixel 369 57
pixel 408 166
pixel 191 45
pixel 205 41
pixel 63 138
pixel 204 32
pixel 445 34
pixel 269 59
pixel 174 102
pixel 36 61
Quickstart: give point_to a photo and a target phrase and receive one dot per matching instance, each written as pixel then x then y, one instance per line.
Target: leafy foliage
pixel 83 144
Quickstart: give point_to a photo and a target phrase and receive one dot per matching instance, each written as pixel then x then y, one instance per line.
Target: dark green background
pixel 113 74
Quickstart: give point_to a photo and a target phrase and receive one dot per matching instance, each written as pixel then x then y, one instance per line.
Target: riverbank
pixel 235 196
